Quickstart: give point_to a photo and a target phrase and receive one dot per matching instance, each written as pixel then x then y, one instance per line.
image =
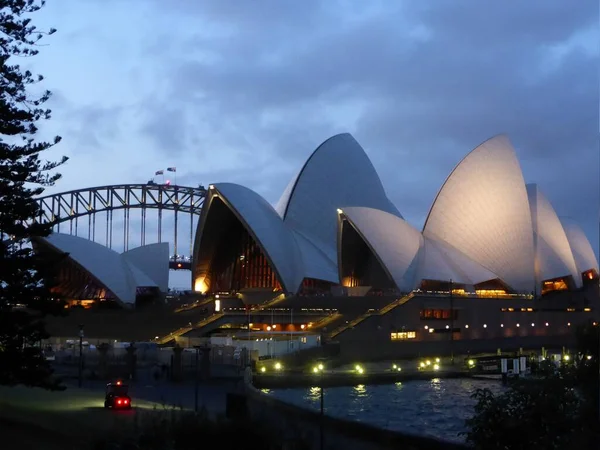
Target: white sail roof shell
pixel 407 256
pixel 337 174
pixel 395 243
pixel 316 264
pixel 553 254
pixel 482 210
pixel 263 222
pixel 117 274
pixel 153 261
pixel 584 255
pixel 441 262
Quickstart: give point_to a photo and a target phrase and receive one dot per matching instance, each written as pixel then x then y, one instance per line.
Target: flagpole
pixel 174 170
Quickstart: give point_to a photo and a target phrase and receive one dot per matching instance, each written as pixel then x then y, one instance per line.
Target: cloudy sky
pixel 243 91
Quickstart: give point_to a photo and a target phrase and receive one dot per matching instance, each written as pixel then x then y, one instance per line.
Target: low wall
pixel 355 347
pixel 302 425
pixel 302 358
pixel 293 380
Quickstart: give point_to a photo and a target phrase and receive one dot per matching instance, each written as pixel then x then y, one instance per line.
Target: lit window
pixel 402 335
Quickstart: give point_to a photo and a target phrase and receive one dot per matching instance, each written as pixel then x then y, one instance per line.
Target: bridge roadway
pixel 180 265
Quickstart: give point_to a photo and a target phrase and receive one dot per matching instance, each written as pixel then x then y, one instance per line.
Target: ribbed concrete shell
pixel 584 255
pixel 153 261
pixel 263 223
pixel 395 243
pixel 338 174
pixel 482 210
pixel 553 254
pixel 116 273
pixel 441 262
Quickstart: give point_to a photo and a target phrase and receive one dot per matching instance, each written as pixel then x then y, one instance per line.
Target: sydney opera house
pixel 486 233
pixel 492 264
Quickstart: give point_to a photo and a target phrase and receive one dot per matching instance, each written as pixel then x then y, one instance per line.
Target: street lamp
pixel 318 369
pixel 451 325
pixel 80 355
pixel 197 347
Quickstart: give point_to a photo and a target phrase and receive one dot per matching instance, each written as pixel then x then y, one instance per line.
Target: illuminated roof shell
pixel 338 174
pixel 553 254
pixel 266 227
pixel 394 242
pixel 120 275
pixel 584 255
pixel 483 210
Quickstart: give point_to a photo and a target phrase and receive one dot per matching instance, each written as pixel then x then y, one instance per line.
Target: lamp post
pixel 451 325
pixel 318 369
pixel 80 355
pixel 196 379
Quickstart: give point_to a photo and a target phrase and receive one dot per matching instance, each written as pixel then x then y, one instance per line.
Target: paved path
pixel 80 413
pixel 211 396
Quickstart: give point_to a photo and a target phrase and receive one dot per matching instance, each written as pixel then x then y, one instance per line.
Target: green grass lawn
pixel 76 414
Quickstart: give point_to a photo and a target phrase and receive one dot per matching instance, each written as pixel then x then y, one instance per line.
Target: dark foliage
pixel 23 176
pixel 555 410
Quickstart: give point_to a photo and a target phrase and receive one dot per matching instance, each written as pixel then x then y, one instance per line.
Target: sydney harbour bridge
pixel 125 216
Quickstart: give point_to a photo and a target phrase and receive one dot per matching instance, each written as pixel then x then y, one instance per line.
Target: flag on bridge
pixel 171 169
pixel 159 172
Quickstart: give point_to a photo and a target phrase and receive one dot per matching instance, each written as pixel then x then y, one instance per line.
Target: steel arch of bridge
pixel 72 205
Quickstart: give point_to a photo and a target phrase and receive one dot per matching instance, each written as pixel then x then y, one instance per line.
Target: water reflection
pixel 314 393
pixel 360 390
pixel 437 407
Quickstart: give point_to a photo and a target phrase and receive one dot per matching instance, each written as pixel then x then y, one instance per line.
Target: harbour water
pixel 436 408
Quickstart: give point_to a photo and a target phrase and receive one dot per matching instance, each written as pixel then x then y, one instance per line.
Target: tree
pixel 556 410
pixel 23 176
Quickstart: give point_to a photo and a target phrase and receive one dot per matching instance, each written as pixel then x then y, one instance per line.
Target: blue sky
pixel 243 91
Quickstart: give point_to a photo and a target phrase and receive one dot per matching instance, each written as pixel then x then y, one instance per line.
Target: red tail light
pixel 125 401
pixel 118 402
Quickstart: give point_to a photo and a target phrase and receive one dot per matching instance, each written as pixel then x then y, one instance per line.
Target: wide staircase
pixel 183 330
pixel 191 306
pixel 210 319
pixel 329 320
pixel 269 303
pixel 372 312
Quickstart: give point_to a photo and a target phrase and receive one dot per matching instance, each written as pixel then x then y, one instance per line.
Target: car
pixel 117 396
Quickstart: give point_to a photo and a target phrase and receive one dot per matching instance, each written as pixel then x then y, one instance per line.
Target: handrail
pixel 382 311
pixel 181 331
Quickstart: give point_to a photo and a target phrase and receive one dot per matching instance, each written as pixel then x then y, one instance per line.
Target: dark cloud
pixel 245 93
